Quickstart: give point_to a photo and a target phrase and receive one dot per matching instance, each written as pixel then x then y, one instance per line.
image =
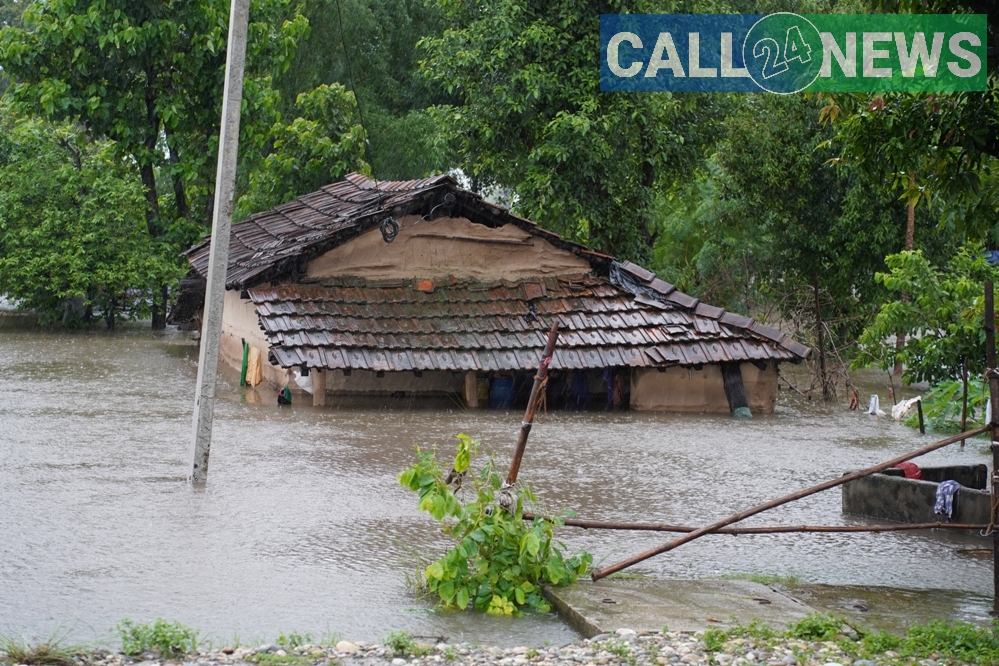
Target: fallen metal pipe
pixel 774 529
pixel 525 426
pixel 742 515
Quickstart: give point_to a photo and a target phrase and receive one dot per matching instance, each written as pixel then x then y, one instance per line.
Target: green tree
pixel 316 148
pixel 825 230
pixel 939 145
pixel 10 14
pixel 382 71
pixel 527 114
pixel 943 317
pixel 149 76
pixel 73 241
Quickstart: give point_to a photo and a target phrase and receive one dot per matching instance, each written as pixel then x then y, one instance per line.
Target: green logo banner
pixel 785 53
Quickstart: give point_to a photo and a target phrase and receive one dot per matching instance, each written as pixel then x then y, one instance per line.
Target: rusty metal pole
pixel 742 515
pixel 525 426
pixel 773 529
pixel 990 361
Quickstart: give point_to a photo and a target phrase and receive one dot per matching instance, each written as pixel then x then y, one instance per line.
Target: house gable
pixel 448 246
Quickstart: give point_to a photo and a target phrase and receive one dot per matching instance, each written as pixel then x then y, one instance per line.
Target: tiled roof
pixel 619 315
pixel 283 240
pixel 631 320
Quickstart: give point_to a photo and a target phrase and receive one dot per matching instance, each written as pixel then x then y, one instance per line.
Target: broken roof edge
pixel 643 283
pixel 469 205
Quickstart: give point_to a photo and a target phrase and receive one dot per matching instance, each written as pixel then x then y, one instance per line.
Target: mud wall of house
pixel 681 389
pixel 240 322
pixel 366 382
pixel 448 246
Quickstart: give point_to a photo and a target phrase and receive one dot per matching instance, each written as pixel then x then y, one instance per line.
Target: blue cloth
pixel 945 499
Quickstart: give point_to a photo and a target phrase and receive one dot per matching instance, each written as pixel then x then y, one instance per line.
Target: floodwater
pixel 302 526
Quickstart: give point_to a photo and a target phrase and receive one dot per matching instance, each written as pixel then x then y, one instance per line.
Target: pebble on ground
pixel 623 648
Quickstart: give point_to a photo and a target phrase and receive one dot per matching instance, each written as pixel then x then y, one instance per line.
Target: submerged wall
pixel 368 383
pixel 904 500
pixel 679 389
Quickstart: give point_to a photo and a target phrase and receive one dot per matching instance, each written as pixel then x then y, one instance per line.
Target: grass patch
pixel 169 639
pixel 402 642
pixel 958 640
pixel 948 641
pixel 49 652
pixel 816 627
pixel 764 579
pixel 268 659
pixel 294 639
pixel 714 639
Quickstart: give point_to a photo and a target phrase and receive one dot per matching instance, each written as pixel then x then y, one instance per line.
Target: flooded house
pixel 420 288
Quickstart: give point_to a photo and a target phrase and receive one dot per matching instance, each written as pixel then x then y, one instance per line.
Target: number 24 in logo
pixel 795 48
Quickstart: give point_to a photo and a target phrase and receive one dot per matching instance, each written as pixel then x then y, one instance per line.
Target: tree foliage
pixel 527 114
pixel 380 38
pixel 133 71
pixel 948 142
pixel 73 241
pixel 314 149
pixel 146 80
pixel 943 318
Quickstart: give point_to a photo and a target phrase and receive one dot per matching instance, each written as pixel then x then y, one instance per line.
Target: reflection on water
pixel 303 527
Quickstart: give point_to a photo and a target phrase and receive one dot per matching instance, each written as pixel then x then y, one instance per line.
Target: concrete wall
pixel 904 500
pixel 687 390
pixel 448 246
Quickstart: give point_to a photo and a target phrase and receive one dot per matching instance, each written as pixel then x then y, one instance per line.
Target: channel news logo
pixel 787 53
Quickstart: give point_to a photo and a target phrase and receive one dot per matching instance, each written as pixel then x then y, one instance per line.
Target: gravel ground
pixel 625 648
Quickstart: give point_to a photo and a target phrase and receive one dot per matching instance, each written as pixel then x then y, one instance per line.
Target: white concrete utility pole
pixel 225 185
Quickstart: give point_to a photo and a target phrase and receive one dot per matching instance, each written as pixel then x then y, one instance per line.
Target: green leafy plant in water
pixel 499 560
pixel 942 406
pixel 169 639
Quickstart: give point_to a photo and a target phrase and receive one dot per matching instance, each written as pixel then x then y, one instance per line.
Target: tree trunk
pixel 910 230
pixel 152 201
pixel 179 191
pixel 160 309
pixel 826 392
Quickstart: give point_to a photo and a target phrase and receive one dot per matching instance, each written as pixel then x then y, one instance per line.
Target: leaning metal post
pixel 826 485
pixel 218 262
pixel 525 428
pixel 990 361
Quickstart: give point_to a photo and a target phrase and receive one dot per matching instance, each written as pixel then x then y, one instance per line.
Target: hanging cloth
pixel 254 369
pixel 946 493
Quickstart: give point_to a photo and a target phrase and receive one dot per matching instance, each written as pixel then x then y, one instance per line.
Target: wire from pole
pixel 350 72
pixel 390 229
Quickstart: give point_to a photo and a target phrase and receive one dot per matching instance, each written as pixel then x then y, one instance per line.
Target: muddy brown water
pixel 303 527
